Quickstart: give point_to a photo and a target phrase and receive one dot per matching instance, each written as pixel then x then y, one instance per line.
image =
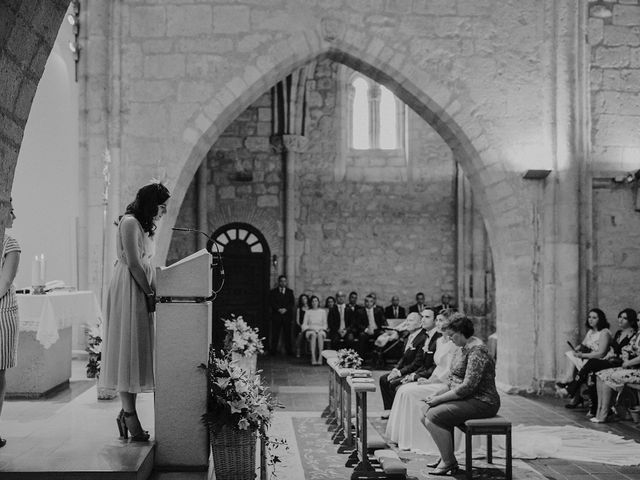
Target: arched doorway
pixel 245 256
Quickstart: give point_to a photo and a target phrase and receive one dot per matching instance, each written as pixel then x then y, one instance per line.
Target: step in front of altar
pixel 78 440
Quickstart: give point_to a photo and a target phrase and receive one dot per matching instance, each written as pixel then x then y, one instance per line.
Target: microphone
pixel 210 240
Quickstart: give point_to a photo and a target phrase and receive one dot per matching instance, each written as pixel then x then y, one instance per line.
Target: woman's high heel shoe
pixel 434 464
pixel 132 424
pixel 121 425
pixel 446 470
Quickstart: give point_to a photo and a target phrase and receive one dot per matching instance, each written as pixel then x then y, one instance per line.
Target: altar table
pixel 44 344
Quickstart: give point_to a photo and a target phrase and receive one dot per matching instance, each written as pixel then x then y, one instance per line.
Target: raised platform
pixel 77 439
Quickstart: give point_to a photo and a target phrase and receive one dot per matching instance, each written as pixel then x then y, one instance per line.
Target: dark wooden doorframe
pixel 246 259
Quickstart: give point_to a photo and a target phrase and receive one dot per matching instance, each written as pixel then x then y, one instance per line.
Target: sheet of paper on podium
pixel 189 277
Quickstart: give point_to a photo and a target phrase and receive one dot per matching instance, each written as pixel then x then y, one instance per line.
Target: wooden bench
pixel 330 356
pixel 364 469
pixel 487 426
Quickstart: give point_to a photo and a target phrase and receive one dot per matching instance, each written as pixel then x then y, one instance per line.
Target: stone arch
pixel 434 103
pixel 505 215
pixel 27 33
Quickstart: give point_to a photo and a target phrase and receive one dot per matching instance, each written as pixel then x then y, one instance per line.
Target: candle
pixel 35 272
pixel 43 270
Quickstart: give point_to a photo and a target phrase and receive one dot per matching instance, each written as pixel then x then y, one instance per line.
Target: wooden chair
pixel 486 426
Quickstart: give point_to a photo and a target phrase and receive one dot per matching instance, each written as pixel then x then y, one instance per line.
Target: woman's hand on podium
pixel 150 299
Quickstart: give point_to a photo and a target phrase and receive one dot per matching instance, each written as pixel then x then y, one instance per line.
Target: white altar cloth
pixel 46 314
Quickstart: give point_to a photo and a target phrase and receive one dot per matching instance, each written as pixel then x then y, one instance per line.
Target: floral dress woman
pixel 616 378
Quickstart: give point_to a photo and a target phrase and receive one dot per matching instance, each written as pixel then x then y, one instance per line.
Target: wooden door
pixel 246 285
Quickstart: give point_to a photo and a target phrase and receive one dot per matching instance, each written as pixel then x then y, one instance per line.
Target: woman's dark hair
pixel 458 322
pixel 145 206
pixel 300 300
pixel 311 300
pixel 326 302
pixel 632 317
pixel 602 319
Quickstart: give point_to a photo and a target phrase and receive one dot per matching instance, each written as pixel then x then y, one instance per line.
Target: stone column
pixel 290 146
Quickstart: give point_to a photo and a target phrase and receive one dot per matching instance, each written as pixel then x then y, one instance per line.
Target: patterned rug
pixel 320 460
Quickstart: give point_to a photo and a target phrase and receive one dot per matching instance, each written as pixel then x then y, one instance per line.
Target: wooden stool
pixel 487 426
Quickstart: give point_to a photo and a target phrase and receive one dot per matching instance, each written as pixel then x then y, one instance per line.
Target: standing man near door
pixel 282 306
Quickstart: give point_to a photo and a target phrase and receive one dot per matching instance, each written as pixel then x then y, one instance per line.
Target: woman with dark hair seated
pixel 596 344
pixel 628 323
pixel 469 393
pixel 614 379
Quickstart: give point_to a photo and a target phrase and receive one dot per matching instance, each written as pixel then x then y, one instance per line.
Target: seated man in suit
pixel 369 323
pixel 425 356
pixel 395 310
pixel 340 324
pixel 419 305
pixel 407 364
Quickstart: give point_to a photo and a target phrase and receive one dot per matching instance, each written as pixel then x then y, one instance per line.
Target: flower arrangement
pixel 94 348
pixel 241 338
pixel 240 402
pixel 349 358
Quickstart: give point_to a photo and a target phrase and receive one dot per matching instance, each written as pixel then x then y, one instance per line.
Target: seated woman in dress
pixel 596 344
pixel 628 324
pixel 470 392
pixel 614 379
pixel 314 328
pixel 402 427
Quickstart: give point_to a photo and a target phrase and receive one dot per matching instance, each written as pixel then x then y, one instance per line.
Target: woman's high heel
pixel 446 470
pixel 121 426
pixel 132 424
pixel 434 464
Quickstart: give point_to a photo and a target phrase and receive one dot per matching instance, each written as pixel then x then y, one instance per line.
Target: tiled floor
pixel 302 387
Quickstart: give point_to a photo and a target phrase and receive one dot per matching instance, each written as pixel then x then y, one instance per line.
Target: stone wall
pixel 617 246
pixel 367 230
pixel 614 38
pixel 495 79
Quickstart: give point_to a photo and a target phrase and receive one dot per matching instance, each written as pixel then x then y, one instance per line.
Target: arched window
pixel 237 237
pixel 375 115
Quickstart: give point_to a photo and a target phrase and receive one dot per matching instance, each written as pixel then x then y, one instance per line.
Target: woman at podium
pixel 127 353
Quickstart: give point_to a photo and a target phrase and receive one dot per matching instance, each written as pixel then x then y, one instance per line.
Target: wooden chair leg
pixel 489 449
pixel 468 457
pixel 508 452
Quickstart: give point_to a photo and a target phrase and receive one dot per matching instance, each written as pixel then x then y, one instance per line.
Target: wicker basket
pixel 234 453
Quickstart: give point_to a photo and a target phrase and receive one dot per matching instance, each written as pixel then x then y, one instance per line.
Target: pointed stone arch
pixel 504 213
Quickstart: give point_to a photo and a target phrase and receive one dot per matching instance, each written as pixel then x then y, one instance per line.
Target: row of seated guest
pixel 352 325
pixel 598 351
pixel 458 385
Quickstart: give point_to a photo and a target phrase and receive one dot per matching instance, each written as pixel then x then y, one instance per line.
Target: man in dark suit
pixel 389 382
pixel 340 324
pixel 369 321
pixel 282 304
pixel 425 356
pixel 395 310
pixel 351 315
pixel 419 305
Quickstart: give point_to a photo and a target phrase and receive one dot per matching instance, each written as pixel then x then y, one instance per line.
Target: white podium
pixel 182 343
